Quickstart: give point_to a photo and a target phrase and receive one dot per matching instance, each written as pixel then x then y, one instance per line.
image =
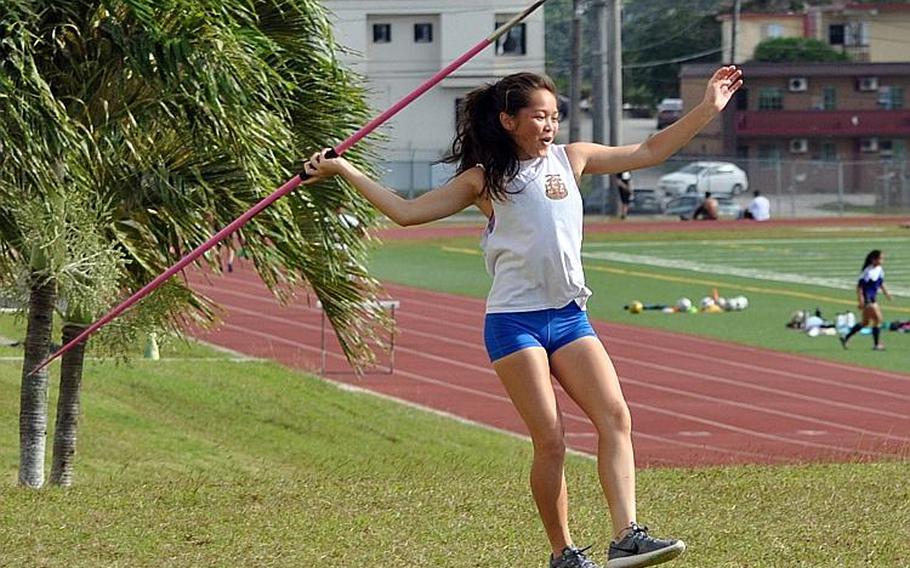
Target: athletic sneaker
pixel 878 347
pixel 638 548
pixel 572 557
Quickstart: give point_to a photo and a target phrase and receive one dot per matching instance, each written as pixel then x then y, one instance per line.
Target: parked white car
pixel 720 178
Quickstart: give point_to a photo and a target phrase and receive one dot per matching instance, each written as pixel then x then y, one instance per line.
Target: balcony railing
pixel 828 123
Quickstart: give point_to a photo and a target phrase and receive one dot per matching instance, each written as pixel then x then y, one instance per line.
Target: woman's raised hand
pixel 725 81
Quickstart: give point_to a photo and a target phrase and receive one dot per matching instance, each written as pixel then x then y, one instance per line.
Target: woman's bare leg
pixel 586 372
pixel 526 377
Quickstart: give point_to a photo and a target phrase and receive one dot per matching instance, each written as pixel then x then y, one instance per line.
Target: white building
pixel 398 44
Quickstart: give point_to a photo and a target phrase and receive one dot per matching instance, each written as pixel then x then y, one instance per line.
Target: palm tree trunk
pixel 68 409
pixel 33 396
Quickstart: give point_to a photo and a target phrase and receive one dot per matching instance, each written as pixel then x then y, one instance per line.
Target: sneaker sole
pixel 650 558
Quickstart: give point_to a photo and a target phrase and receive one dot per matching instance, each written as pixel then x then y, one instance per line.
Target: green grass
pixel 833 258
pixel 250 464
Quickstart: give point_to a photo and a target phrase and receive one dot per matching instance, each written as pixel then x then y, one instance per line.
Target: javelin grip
pixel 331 154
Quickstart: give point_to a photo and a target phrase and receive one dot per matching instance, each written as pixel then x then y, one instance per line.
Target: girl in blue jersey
pixel 510 167
pixel 871 280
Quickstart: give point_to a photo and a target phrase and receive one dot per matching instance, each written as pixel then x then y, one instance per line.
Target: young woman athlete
pixel 510 167
pixel 871 280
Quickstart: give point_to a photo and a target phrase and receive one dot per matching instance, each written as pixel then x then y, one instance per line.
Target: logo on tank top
pixel 555 187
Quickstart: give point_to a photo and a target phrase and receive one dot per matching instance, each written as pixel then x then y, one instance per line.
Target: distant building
pixel 398 44
pixel 824 112
pixel 874 33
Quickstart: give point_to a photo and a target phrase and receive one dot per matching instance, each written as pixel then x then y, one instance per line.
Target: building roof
pixel 881 7
pixel 761 15
pixel 836 69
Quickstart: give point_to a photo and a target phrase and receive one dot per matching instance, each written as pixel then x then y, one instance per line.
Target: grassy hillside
pixel 225 463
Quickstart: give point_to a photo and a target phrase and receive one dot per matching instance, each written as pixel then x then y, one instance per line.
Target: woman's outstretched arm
pixel 588 158
pixel 461 192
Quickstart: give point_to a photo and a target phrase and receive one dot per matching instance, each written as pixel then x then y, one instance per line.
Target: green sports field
pixel 780 272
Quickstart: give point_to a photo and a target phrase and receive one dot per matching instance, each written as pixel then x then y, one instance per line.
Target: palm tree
pixel 179 116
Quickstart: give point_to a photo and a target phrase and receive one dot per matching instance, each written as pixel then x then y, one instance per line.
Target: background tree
pixel 179 116
pixel 796 49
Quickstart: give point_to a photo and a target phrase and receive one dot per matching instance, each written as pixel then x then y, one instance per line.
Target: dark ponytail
pixel 480 137
pixel 870 258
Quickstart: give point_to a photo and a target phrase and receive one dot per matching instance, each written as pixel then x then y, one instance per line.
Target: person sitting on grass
pixel 759 209
pixel 707 210
pixel 871 280
pixel 536 326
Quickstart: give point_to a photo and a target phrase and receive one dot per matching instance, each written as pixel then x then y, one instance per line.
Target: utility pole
pixel 734 30
pixel 598 102
pixel 614 84
pixel 575 74
pixel 614 69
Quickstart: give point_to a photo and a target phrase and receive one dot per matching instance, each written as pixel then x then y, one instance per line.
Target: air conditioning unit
pixel 798 84
pixel 868 145
pixel 799 146
pixel 867 84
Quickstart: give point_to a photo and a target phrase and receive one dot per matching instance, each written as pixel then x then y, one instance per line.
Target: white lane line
pixel 763 409
pixel 500 398
pixel 485 370
pixel 669 370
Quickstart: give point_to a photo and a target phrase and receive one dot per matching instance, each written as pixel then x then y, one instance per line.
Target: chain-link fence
pixel 795 188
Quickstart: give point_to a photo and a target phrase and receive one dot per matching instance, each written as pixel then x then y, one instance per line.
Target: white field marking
pixel 811 432
pixel 758 408
pixel 714 243
pixel 487 371
pixel 691 354
pixel 725 270
pixel 757 434
pixel 489 395
pixel 694 433
pixel 840 229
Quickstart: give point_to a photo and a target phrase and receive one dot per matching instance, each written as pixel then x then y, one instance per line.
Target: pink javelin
pixel 289 185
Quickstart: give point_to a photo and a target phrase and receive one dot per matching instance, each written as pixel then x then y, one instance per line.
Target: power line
pixel 674 60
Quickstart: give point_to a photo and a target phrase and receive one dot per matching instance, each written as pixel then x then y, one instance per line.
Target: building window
pixel 836 34
pixel 512 42
pixel 829 152
pixel 382 33
pixel 742 152
pixel 423 33
pixel 857 34
pixel 891 98
pixel 772 30
pixel 829 98
pixel 771 98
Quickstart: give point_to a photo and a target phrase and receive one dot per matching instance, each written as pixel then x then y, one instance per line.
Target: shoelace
pixel 580 556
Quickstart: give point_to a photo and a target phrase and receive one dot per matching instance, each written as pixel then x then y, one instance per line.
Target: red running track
pixel 694 401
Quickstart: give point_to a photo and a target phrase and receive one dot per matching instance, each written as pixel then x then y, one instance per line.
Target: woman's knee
pixel 615 419
pixel 549 446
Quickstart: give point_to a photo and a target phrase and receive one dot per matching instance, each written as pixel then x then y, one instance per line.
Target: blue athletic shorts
pixel 506 333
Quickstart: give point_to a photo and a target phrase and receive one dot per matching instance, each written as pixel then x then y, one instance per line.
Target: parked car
pixel 668 112
pixel 684 206
pixel 700 177
pixel 645 202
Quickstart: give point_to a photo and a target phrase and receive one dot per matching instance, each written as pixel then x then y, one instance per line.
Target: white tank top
pixel 532 244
